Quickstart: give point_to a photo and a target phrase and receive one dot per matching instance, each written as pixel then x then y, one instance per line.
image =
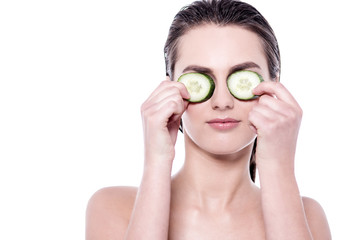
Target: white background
pixel 73 75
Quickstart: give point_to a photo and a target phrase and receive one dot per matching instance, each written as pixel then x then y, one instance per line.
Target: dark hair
pixel 222 13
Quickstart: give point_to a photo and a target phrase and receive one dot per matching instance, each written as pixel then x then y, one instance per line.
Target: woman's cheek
pixel 191 121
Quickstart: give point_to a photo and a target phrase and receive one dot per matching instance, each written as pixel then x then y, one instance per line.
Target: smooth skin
pixel 212 196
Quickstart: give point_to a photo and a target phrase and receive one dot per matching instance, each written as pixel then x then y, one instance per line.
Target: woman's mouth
pixel 223 123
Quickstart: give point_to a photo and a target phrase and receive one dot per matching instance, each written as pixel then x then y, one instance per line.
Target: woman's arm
pixel 161 115
pixel 150 216
pixel 283 209
pixel 127 213
pixel 277 118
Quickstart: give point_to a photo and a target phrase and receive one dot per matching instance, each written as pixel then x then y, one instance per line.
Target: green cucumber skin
pixel 211 91
pixel 212 86
pixel 254 96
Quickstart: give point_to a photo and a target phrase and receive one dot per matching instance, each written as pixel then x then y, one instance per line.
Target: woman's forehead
pixel 219 48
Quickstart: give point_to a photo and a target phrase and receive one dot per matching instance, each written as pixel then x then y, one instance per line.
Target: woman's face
pixel 220 125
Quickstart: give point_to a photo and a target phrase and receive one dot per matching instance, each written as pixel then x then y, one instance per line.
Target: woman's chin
pixel 222 147
pixel 227 150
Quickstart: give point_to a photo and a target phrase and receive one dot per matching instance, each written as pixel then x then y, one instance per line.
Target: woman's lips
pixel 223 123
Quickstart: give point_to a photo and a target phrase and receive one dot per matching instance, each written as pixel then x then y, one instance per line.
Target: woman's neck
pixel 214 182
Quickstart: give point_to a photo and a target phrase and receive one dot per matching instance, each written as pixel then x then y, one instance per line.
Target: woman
pixel 214 196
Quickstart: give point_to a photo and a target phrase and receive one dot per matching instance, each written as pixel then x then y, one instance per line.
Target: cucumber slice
pixel 200 86
pixel 241 84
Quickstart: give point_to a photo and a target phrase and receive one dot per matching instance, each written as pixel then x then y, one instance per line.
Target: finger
pixel 166 84
pixel 257 119
pixel 183 90
pixel 275 89
pixel 174 102
pixel 166 94
pixel 274 104
pixel 161 112
pixel 161 86
pixel 265 111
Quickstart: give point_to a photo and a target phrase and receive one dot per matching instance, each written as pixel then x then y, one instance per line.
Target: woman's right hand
pixel 161 114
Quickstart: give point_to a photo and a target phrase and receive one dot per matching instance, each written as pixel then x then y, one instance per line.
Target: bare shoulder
pixel 316 219
pixel 108 212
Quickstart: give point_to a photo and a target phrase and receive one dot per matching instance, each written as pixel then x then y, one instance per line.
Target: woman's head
pixel 248 32
pixel 222 13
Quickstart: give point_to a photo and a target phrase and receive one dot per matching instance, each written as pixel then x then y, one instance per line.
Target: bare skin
pixel 109 213
pixel 212 196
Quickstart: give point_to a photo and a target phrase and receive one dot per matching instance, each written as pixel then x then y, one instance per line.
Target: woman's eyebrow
pixel 199 69
pixel 243 66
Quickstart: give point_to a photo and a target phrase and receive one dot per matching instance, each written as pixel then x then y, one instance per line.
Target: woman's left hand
pixel 276 118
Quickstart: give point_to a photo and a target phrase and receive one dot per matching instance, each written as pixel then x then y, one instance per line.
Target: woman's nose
pixel 222 98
